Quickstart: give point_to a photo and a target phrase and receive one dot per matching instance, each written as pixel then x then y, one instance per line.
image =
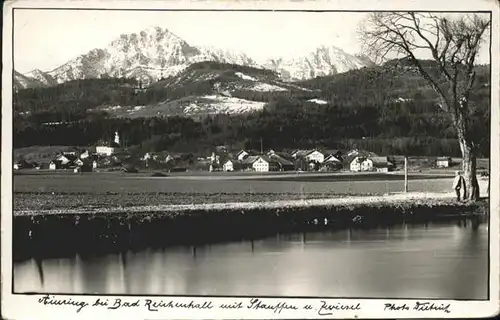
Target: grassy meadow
pixel 49 190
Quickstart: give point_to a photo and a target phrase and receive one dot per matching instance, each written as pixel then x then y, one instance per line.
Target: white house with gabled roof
pixel 315 155
pixel 264 164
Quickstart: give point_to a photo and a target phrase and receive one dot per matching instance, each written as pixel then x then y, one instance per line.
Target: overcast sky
pixel 45 39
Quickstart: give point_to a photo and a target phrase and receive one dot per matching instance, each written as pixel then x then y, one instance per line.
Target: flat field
pixel 48 190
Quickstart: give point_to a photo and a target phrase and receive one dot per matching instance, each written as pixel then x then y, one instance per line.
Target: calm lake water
pixel 445 260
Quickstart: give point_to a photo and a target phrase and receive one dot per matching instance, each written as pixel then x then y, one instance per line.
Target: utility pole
pixel 261 146
pixel 406 174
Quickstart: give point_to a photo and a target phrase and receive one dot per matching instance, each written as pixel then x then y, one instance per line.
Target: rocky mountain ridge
pixel 156 53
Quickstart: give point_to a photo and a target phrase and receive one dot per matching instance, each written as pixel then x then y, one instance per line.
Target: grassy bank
pixel 65 232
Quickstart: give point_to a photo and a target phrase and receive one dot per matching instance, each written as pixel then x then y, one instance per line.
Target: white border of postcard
pixel 19 306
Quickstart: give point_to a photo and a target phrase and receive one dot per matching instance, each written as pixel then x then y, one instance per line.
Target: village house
pixel 443 162
pixel 284 164
pixel 53 165
pixel 261 163
pixel 309 155
pixel 331 166
pixel 85 155
pixel 242 155
pixel 316 156
pixel 78 162
pixel 379 164
pixel 65 159
pixel 232 165
pixel 356 164
pixel 333 158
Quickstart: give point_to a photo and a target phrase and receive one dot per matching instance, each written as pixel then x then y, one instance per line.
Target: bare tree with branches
pixel 453 44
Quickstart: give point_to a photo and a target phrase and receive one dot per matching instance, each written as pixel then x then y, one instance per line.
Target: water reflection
pixel 414 261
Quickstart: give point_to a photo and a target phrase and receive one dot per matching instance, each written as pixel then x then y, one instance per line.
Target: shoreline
pixel 394 199
pixel 63 233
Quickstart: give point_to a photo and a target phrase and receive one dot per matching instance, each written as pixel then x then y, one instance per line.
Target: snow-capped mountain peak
pixel 212 53
pixel 43 77
pixel 324 60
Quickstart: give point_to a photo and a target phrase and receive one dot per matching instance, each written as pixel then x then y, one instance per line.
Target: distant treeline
pixel 402 128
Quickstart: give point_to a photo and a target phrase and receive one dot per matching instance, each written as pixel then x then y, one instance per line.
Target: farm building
pixel 284 164
pixel 443 162
pixel 381 164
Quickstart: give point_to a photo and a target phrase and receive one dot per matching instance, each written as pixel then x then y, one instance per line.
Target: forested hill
pixel 203 88
pixel 393 81
pixel 386 109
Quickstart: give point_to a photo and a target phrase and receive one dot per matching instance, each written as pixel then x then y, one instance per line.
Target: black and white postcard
pixel 250 159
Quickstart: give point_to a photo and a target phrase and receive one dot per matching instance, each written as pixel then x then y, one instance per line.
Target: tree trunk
pixel 471 191
pixel 459 115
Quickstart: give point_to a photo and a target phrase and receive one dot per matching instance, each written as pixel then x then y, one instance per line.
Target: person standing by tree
pixel 459 184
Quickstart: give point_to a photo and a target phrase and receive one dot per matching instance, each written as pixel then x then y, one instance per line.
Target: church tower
pixel 117 138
